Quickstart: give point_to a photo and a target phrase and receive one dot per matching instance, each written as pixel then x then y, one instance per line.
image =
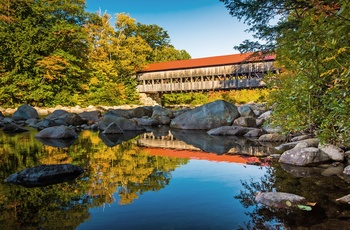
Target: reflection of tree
pixel 129 170
pixel 125 169
pixel 314 189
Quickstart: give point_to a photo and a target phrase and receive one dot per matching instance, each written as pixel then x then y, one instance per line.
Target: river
pixel 163 179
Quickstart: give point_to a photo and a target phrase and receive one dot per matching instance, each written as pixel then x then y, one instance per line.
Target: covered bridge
pixel 236 71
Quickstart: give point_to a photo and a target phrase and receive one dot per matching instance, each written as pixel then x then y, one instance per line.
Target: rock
pixel 160 111
pixel 25 112
pixel 259 122
pixel 65 118
pixel 334 152
pixel 45 123
pixel 300 138
pixel 140 112
pixel 228 131
pixel 266 115
pixel 122 122
pixel 245 121
pixel 113 128
pixel 42 112
pixel 280 200
pixel 344 199
pixel 9 111
pixel 147 121
pixel 313 142
pixel 181 111
pixel 304 156
pixel 270 129
pixel 162 120
pixel 254 133
pixel 246 111
pixel 44 175
pixel 13 128
pixel 347 170
pixel 208 116
pixel 1 116
pixel 272 137
pixel 31 122
pixel 63 132
pixel 91 117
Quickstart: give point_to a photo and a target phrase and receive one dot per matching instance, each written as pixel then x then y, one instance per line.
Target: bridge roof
pixel 205 62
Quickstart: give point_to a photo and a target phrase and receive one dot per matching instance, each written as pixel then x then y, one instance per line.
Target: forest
pixel 54 52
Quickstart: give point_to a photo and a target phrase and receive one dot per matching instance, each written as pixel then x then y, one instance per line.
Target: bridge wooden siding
pixel 235 71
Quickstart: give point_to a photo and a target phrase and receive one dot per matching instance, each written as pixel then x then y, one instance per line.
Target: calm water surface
pixel 161 180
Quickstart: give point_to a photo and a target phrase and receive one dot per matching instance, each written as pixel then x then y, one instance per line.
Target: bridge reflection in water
pixel 197 144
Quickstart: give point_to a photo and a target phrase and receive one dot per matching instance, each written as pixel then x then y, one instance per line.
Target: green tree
pixel 311 41
pixel 42 51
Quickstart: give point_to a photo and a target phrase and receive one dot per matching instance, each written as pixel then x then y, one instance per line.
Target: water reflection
pixel 125 168
pixel 323 190
pixel 121 168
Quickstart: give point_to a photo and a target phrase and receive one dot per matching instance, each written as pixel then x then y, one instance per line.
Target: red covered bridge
pixel 236 71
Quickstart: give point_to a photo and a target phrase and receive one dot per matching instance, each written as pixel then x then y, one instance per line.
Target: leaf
pixel 304 207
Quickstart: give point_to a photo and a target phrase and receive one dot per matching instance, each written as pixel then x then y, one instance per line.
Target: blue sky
pixel 203 28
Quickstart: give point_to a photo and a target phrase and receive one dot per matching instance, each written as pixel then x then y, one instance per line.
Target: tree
pixel 311 42
pixel 42 50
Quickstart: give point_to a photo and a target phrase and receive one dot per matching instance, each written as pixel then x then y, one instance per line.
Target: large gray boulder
pixel 272 137
pixel 25 112
pixel 208 116
pixel 44 175
pixel 245 121
pixel 304 156
pixel 91 117
pixel 58 132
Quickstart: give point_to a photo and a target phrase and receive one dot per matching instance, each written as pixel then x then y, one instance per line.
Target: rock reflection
pixel 308 183
pixel 59 143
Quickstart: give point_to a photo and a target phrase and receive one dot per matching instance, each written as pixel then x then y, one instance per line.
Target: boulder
pixel 304 156
pixel 245 121
pixel 281 200
pixel 140 112
pixel 271 129
pixel 122 122
pixel 63 117
pixel 334 152
pixel 13 128
pixel 266 115
pixel 91 117
pixel 58 132
pixel 208 116
pixel 272 137
pixel 25 112
pixel 162 120
pixel 300 138
pixel 44 175
pixel 160 111
pixel 254 133
pixel 313 142
pixel 147 121
pixel 246 111
pixel 45 123
pixel 228 131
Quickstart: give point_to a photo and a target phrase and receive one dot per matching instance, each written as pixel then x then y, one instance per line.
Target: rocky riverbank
pixel 219 118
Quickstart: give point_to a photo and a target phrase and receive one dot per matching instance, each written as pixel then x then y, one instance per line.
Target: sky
pixel 203 28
